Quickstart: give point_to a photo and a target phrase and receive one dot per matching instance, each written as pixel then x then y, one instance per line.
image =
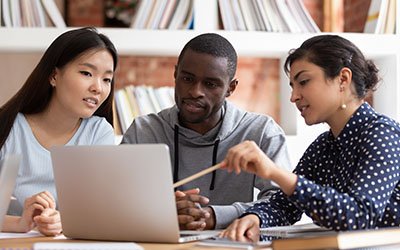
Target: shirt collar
pixel 352 127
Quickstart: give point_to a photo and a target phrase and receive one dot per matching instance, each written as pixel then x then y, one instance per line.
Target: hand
pixel 34 206
pixel 246 229
pixel 49 222
pixel 191 216
pixel 249 157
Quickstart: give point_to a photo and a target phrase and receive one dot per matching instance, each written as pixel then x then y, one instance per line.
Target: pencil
pixel 197 175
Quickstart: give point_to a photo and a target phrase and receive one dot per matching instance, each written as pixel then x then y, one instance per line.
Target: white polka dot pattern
pixel 351 182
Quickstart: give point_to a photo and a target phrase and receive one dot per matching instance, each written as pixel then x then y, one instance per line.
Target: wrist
pixel 210 221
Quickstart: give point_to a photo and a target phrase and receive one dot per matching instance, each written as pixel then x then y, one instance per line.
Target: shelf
pixel 383 49
pixel 170 42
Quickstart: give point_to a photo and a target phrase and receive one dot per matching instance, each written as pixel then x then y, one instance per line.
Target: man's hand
pixel 191 216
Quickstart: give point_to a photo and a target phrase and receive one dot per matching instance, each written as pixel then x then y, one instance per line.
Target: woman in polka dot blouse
pixel 348 178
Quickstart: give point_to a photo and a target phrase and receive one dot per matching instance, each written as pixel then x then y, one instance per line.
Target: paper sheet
pixel 86 246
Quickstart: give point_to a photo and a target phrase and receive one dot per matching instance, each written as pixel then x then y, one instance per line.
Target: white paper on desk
pixel 29 234
pixel 86 246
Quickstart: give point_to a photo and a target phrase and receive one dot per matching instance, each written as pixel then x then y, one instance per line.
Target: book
pixel 160 8
pixel 153 99
pixel 374 15
pixel 166 16
pixel 247 14
pixel 390 18
pixel 296 13
pixel 54 13
pixel 226 243
pixel 117 125
pixel 237 15
pixel 271 15
pixel 340 240
pixel 262 25
pixel 180 14
pixel 225 14
pixel 15 13
pixel 188 21
pixel 142 14
pixel 319 240
pixel 41 13
pixel 263 15
pixel 151 16
pixel 305 14
pixel 5 6
pixel 1 19
pixel 292 230
pixel 287 17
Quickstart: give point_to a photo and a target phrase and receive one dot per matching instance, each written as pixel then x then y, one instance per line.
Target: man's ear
pixel 175 71
pixel 232 87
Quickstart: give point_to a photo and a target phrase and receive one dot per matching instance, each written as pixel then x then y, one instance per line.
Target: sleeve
pixel 274 147
pixel 279 210
pixel 130 136
pixel 370 189
pixel 104 133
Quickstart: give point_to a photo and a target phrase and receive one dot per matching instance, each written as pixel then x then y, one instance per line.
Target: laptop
pixel 119 193
pixel 8 177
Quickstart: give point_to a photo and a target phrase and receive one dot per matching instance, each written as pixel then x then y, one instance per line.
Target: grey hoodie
pixel 229 194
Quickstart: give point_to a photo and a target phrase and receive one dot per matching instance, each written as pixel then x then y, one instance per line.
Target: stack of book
pixel 133 101
pixel 381 17
pixel 164 14
pixel 266 15
pixel 30 13
pixel 308 236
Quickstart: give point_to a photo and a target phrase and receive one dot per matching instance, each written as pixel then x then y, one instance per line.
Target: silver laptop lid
pixel 121 193
pixel 8 176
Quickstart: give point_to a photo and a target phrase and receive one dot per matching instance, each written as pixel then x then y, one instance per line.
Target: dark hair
pixel 35 94
pixel 332 53
pixel 216 45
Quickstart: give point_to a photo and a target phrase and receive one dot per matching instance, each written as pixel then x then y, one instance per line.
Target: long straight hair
pixel 35 94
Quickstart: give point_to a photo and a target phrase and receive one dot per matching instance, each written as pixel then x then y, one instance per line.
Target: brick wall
pixel 356 12
pixel 258 88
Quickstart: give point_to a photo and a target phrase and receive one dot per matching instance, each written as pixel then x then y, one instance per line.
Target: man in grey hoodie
pixel 202 127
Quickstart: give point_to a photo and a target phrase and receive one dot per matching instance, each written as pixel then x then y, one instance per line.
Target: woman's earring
pixel 344 106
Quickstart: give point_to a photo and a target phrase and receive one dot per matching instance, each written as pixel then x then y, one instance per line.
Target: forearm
pixel 286 180
pixel 13 224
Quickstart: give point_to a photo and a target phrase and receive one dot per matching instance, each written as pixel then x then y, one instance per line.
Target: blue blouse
pixel 351 182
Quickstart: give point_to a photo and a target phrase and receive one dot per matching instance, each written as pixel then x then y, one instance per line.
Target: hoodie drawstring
pixel 176 160
pixel 214 161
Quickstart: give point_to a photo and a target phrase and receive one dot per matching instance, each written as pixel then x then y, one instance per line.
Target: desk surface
pixel 27 243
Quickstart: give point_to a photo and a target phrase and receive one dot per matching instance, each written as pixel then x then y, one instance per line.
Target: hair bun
pixel 372 77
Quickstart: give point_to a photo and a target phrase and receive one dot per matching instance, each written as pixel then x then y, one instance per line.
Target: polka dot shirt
pixel 347 183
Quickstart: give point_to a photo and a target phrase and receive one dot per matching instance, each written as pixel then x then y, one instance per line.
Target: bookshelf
pixel 383 49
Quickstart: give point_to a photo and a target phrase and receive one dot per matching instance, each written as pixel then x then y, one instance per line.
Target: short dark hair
pixel 332 53
pixel 35 94
pixel 216 45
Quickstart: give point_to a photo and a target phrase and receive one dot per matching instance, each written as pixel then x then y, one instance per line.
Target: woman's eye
pixel 108 80
pixel 303 82
pixel 86 73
